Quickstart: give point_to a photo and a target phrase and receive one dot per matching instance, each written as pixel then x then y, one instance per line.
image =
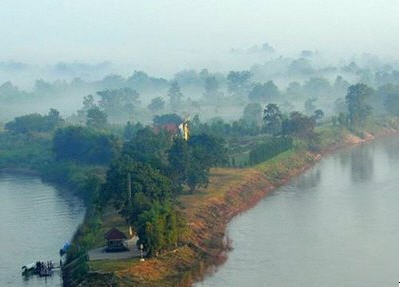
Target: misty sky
pixel 167 36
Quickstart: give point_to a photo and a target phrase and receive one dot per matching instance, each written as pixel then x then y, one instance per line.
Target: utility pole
pixel 129 199
pixel 141 252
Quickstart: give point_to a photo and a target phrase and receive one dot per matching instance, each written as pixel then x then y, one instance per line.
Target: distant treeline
pixel 141 170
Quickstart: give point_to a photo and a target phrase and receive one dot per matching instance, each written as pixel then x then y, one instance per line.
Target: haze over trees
pixel 356 99
pixel 120 144
pixel 174 129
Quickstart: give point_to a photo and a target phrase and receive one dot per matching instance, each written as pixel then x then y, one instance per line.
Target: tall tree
pixel 95 118
pixel 35 122
pixel 264 92
pixel 85 145
pixel 309 105
pixel 273 119
pixel 156 104
pixel 119 103
pixel 356 100
pixel 318 115
pixel 211 86
pixel 175 95
pixel 389 94
pixel 179 158
pixel 252 114
pixel 239 82
pixel 147 185
pixel 88 103
pixel 167 119
pixel 299 125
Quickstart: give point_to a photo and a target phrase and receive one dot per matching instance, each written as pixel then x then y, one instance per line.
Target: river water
pixel 35 221
pixel 335 225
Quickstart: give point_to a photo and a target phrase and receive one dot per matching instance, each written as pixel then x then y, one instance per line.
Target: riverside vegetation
pixel 182 193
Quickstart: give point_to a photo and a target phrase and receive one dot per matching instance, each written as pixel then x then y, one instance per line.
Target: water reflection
pixel 310 179
pixel 344 159
pixel 392 151
pixel 335 225
pixel 362 164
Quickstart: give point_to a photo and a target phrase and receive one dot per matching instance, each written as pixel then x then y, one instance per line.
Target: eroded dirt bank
pixel 230 192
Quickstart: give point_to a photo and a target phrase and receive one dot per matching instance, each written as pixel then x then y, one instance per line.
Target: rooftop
pixel 114 234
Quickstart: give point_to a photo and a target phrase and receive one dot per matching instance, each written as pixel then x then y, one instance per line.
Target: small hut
pixel 115 240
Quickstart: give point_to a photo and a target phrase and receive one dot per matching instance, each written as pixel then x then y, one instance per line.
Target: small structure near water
pixel 40 268
pixel 115 240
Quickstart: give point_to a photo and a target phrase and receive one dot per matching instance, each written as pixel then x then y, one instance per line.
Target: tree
pixel 130 130
pixel 143 197
pixel 239 82
pixel 389 94
pixel 159 228
pixel 252 114
pixel 156 104
pixel 340 86
pixel 318 115
pixel 264 92
pixel 273 119
pixel 179 158
pixel 317 87
pixel 142 178
pixel 88 103
pixel 211 86
pixel 54 119
pixel 118 103
pixel 149 148
pixel 300 66
pixel 208 150
pixel 35 122
pixel 143 82
pixel 340 106
pixel 309 105
pixel 190 161
pixel 294 89
pixel 167 119
pixel 175 95
pixel 299 125
pixel 197 175
pixel 95 118
pixel 81 144
pixel 356 100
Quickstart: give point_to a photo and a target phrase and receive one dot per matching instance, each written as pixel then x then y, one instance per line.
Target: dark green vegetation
pixel 35 123
pixel 141 171
pixel 265 151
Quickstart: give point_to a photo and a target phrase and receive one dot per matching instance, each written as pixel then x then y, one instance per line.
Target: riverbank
pixel 208 211
pixel 39 218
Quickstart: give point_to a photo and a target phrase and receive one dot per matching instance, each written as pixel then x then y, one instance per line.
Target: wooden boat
pixel 29 268
pixel 42 269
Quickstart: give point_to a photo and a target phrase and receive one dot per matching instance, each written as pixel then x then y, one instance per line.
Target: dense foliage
pixel 84 145
pixel 35 122
pixel 269 149
pixel 356 99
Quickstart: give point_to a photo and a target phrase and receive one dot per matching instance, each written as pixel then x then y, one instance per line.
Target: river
pixel 334 225
pixel 35 221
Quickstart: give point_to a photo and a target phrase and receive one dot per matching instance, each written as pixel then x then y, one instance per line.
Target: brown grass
pixel 230 192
